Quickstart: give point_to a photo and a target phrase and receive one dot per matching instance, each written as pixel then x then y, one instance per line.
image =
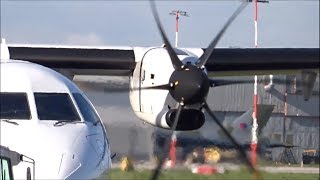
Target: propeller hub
pixel 190 84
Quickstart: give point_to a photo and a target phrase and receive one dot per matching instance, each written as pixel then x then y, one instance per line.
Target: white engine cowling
pixel 157 106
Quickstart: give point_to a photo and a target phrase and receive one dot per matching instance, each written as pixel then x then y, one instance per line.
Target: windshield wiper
pixel 96 123
pixel 64 122
pixel 11 122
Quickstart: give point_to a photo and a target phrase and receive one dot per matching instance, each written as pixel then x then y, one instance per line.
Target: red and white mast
pixel 177 14
pixel 254 133
pixel 254 136
pixel 177 28
pixel 256 23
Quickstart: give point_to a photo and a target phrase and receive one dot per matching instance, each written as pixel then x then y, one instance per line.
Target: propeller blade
pixel 224 82
pixel 177 64
pixel 106 87
pixel 281 145
pixel 162 87
pixel 113 87
pixel 204 58
pixel 157 171
pixel 308 79
pixel 240 149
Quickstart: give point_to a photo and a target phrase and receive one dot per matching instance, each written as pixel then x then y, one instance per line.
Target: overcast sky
pixel 130 23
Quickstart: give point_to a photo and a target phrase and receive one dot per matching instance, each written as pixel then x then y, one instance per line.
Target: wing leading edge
pixel 121 61
pixel 79 61
pixel 251 61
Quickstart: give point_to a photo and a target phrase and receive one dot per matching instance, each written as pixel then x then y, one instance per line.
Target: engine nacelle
pixel 190 119
pixel 156 106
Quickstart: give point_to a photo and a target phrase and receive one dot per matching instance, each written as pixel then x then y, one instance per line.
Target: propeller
pixel 189 84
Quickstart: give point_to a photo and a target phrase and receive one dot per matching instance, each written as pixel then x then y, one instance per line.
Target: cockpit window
pixel 86 109
pixel 55 106
pixel 14 106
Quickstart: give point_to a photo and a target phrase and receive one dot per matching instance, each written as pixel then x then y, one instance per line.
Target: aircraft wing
pixel 79 60
pixel 255 61
pixel 121 61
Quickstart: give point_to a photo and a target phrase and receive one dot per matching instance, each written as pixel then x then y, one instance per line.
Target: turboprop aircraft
pixel 169 86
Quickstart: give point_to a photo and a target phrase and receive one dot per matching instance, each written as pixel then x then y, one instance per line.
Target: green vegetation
pixel 186 174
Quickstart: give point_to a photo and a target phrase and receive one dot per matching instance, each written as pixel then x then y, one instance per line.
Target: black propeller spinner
pixel 189 84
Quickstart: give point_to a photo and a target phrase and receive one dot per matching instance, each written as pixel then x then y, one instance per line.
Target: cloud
pixel 84 39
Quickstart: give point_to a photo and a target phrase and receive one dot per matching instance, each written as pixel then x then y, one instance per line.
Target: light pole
pixel 177 14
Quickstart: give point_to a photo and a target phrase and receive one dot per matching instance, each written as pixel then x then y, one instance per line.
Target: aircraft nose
pixel 88 159
pixel 69 165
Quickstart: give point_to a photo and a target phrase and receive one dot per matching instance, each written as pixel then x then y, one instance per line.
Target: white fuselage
pixel 76 149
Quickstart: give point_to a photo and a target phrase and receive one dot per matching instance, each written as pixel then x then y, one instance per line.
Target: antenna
pixel 178 13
